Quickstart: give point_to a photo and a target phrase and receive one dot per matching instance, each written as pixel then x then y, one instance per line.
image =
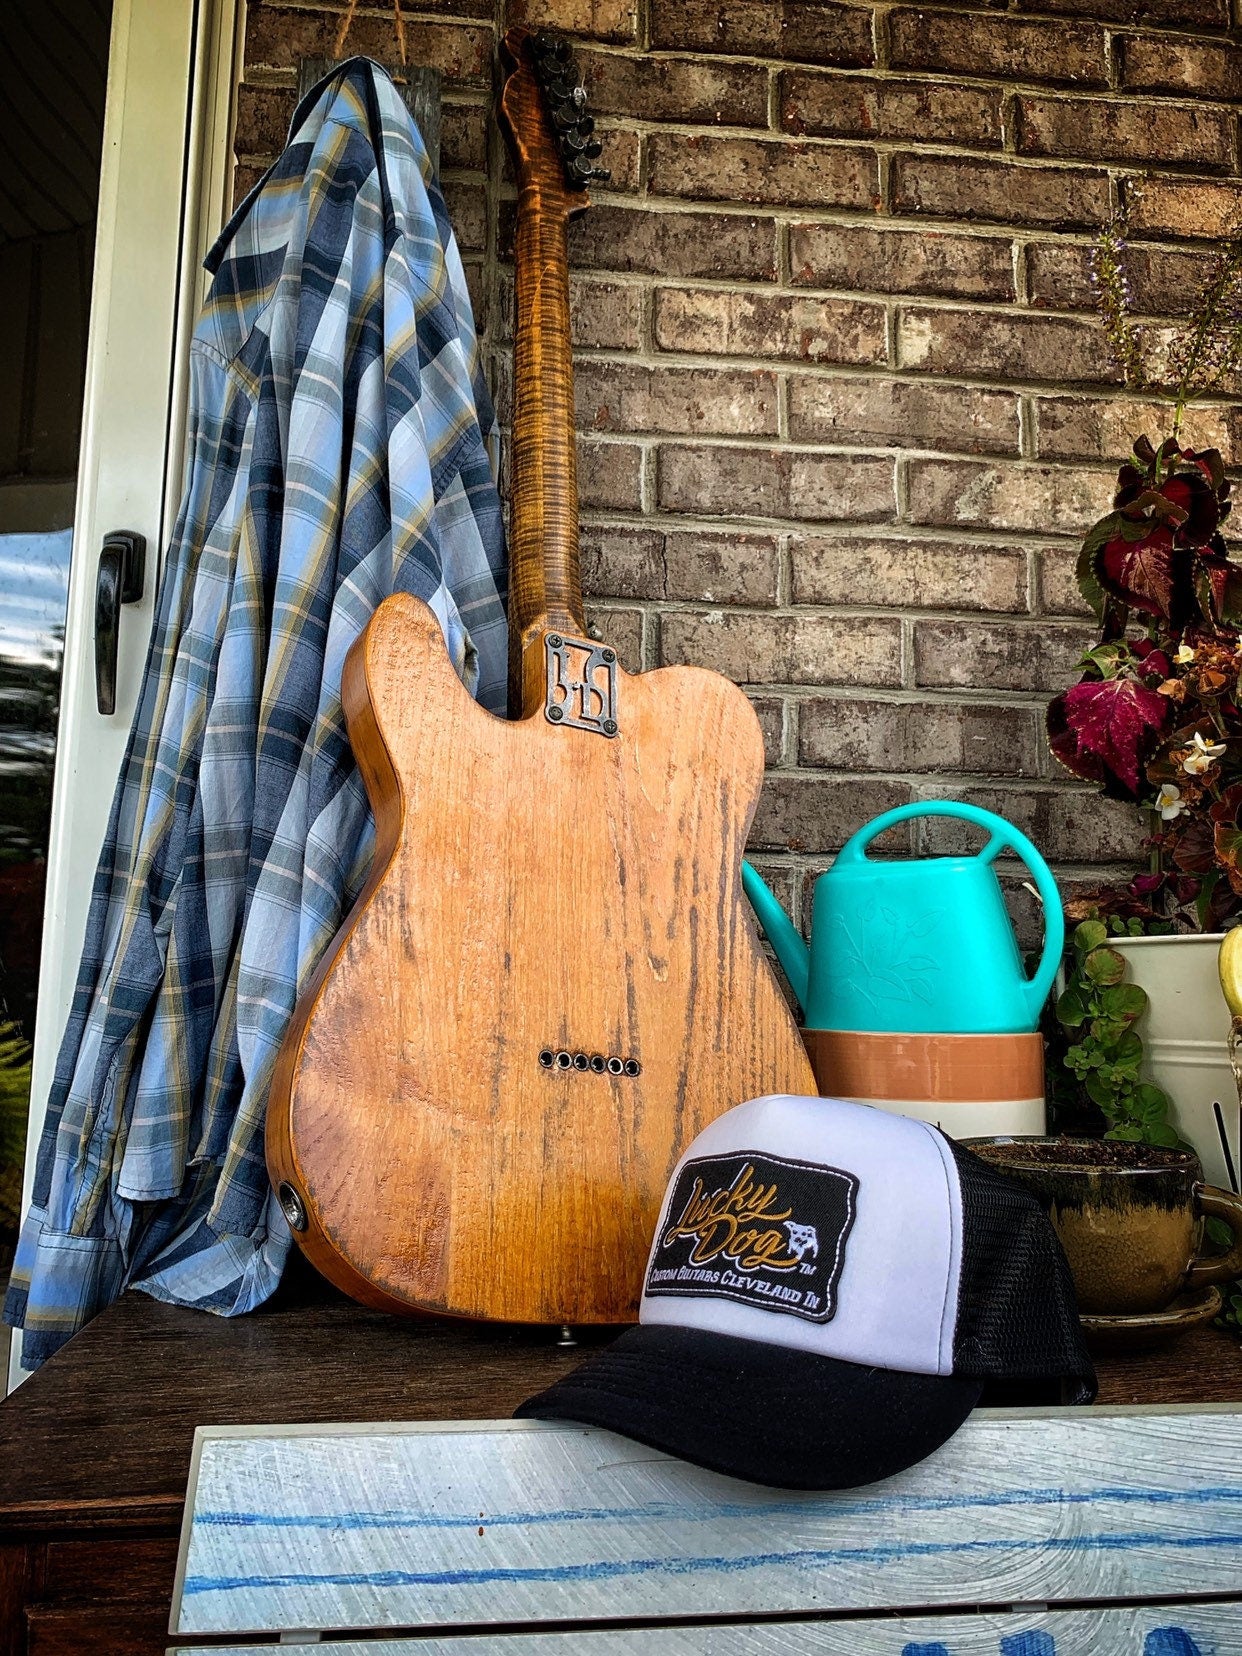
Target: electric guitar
pixel 551 982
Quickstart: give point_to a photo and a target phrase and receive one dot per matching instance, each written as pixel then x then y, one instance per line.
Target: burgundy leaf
pixel 1104 731
pixel 1140 572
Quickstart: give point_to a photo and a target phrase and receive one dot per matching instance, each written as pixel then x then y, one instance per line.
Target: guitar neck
pixel 545 581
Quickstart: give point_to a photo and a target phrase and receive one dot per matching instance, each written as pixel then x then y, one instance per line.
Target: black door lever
pixel 122 566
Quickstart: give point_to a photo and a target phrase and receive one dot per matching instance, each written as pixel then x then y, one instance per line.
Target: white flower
pixel 1184 655
pixel 1169 801
pixel 1201 755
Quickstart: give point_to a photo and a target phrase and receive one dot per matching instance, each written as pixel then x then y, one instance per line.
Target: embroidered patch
pixel 768 1232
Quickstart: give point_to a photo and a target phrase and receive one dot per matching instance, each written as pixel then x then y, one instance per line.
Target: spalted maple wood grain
pixel 535 887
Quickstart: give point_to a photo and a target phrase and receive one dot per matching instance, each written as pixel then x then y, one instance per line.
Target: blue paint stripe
pixel 700 1513
pixel 613 1569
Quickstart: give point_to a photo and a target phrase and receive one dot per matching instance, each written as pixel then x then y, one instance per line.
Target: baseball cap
pixel 829 1288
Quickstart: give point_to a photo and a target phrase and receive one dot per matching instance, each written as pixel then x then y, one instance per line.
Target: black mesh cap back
pixel 1017 1317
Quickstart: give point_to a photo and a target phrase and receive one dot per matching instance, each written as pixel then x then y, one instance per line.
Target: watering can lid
pixel 886 1347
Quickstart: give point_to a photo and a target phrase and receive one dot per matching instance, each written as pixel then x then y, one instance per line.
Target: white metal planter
pixel 1185 1033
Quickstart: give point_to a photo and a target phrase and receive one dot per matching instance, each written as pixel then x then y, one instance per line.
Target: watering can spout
pixel 781 933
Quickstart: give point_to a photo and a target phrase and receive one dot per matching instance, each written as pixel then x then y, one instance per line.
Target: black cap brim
pixel 752 1410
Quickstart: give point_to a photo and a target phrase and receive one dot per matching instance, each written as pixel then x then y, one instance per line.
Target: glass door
pixel 113 178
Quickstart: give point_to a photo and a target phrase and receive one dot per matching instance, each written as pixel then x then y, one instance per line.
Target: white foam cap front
pixel 897 1294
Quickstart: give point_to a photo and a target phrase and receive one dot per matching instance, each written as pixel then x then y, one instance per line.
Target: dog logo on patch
pixel 802 1240
pixel 759 1229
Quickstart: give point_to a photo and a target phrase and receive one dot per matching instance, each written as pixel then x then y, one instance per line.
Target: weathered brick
pixel 601 19
pixel 1100 130
pixel 263 115
pixel 916 574
pixel 817 813
pixel 621 154
pixel 463 137
pixel 1011 346
pixel 245 177
pixel 1058 581
pixel 994 191
pixel 1163 280
pixel 900 261
pixel 748 323
pixel 903 414
pixel 479 287
pixel 612 237
pixel 1055 500
pixel 622 396
pixel 848 106
pixel 785 649
pixel 277 36
pixel 782 173
pixel 782 483
pixel 1205 68
pixel 804 31
pixel 848 733
pixel 997 655
pixel 770 711
pixel 610 476
pixel 623 629
pixel 467 211
pixel 733 568
pixel 1090 428
pixel 685 90
pixel 1007 48
pixel 1066 824
pixel 606 315
pixel 622 561
pixel 1189 207
pixel 1211 14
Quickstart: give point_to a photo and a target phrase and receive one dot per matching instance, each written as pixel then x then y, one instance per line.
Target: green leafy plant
pixel 1098 1009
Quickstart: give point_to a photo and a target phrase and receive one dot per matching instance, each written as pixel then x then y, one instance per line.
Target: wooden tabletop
pixel 102 1434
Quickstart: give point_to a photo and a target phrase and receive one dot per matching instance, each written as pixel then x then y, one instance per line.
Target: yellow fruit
pixel 1231 970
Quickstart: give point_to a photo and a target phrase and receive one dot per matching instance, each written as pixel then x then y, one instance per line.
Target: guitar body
pixel 551 982
pixel 538 890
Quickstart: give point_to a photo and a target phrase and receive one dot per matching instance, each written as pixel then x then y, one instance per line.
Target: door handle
pixel 122 566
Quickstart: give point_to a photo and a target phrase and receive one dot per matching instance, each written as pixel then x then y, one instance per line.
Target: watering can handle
pixel 1002 835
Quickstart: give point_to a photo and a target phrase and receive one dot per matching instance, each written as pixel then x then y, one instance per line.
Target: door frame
pixel 165 189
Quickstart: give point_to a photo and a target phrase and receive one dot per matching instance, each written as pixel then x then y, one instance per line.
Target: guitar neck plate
pixel 581 684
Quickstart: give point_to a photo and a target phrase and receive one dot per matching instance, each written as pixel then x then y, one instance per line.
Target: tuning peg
pixel 580 143
pixel 579 131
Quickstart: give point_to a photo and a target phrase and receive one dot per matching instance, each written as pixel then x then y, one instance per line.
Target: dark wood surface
pixel 102 1434
pixel 95 1448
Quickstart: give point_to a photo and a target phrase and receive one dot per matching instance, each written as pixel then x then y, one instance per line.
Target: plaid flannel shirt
pixel 339 439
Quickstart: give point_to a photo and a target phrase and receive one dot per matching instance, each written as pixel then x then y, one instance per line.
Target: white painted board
pixel 355 1528
pixel 1197 1630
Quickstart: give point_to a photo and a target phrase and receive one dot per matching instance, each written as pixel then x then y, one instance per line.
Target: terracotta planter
pixel 964 1084
pixel 1185 1032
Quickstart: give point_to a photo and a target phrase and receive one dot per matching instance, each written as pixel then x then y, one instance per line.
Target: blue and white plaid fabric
pixel 338 451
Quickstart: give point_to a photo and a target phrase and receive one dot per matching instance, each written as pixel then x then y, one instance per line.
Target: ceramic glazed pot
pixel 961 1083
pixel 1129 1216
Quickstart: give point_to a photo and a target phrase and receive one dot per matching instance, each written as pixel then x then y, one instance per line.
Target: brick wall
pixel 844 406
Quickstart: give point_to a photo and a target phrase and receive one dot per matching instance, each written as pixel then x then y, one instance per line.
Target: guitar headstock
pixel 543 107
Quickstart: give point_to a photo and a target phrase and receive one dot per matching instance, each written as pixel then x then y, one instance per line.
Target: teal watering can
pixel 918 945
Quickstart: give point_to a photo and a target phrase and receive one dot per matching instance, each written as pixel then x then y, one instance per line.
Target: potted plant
pixel 1155 718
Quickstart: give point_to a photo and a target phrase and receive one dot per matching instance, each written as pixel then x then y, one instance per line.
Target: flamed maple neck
pixel 545 581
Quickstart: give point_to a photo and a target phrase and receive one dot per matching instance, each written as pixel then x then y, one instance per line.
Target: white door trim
pixel 164 190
